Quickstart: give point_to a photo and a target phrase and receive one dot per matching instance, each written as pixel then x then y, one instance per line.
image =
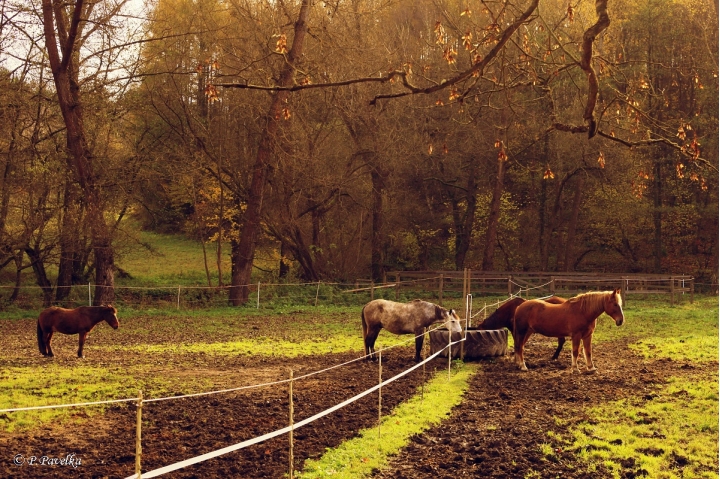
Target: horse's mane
pixel 592 301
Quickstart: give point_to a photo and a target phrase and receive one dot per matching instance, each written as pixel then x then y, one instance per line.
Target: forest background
pixel 342 139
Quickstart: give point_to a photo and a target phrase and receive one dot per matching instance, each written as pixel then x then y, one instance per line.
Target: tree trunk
pixel 657 215
pixel 65 70
pixel 377 242
pixel 284 266
pixel 572 227
pixel 464 226
pixel 493 219
pixel 38 267
pixel 244 253
pixel 68 243
pixel 221 221
pixel 104 262
pixel 18 276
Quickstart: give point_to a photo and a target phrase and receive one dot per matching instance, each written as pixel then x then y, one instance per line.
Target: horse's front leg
pixel 575 353
pixel 521 339
pixel 587 345
pixel 82 336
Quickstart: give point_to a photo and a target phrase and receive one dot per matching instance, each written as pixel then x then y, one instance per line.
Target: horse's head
pixel 451 320
pixel 613 307
pixel 111 317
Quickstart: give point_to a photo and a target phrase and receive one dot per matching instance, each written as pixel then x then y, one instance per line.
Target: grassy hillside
pixel 158 259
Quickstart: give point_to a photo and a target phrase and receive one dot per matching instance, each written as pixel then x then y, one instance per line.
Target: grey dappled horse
pixel 403 318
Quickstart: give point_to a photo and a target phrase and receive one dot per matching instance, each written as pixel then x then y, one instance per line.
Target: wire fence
pixel 261 295
pixel 433 286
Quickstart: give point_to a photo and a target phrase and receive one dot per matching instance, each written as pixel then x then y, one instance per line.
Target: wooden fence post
pixel 672 291
pixel 440 289
pixel 138 436
pixel 469 281
pixel 292 423
pixel 449 350
pixel 465 287
pixel 372 290
pixel 379 391
pixel 397 286
pixel 463 332
pixel 692 290
pixel 424 356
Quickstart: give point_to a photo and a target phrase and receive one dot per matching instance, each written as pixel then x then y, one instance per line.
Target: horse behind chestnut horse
pixel 72 321
pixel 576 318
pixel 503 318
pixel 403 318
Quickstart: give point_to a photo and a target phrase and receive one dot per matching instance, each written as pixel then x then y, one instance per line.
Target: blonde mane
pixel 593 301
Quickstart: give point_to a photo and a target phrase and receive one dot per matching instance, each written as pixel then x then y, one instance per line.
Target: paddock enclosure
pixel 499 430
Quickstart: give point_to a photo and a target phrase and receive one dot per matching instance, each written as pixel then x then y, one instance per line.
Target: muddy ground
pixel 497 431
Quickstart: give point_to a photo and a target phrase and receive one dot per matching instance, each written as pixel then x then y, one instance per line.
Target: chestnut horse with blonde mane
pixel 503 318
pixel 72 321
pixel 575 318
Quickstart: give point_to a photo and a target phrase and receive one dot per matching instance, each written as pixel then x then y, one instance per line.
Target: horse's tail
pixel 364 323
pixel 41 341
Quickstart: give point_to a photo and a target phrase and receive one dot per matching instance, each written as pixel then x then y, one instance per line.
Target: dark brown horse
pixel 575 318
pixel 503 318
pixel 403 318
pixel 72 321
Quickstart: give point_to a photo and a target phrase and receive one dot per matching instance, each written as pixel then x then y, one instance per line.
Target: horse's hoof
pixel 591 371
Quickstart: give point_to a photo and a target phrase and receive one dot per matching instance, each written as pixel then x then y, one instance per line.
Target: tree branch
pixel 589 36
pixel 631 144
pixel 476 69
pixel 381 79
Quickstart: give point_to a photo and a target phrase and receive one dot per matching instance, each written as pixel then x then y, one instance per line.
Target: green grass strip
pixel 358 457
pixel 673 435
pixel 270 347
pixel 55 384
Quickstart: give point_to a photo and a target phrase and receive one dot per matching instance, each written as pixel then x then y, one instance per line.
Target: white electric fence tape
pixel 279 432
pixel 31 408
